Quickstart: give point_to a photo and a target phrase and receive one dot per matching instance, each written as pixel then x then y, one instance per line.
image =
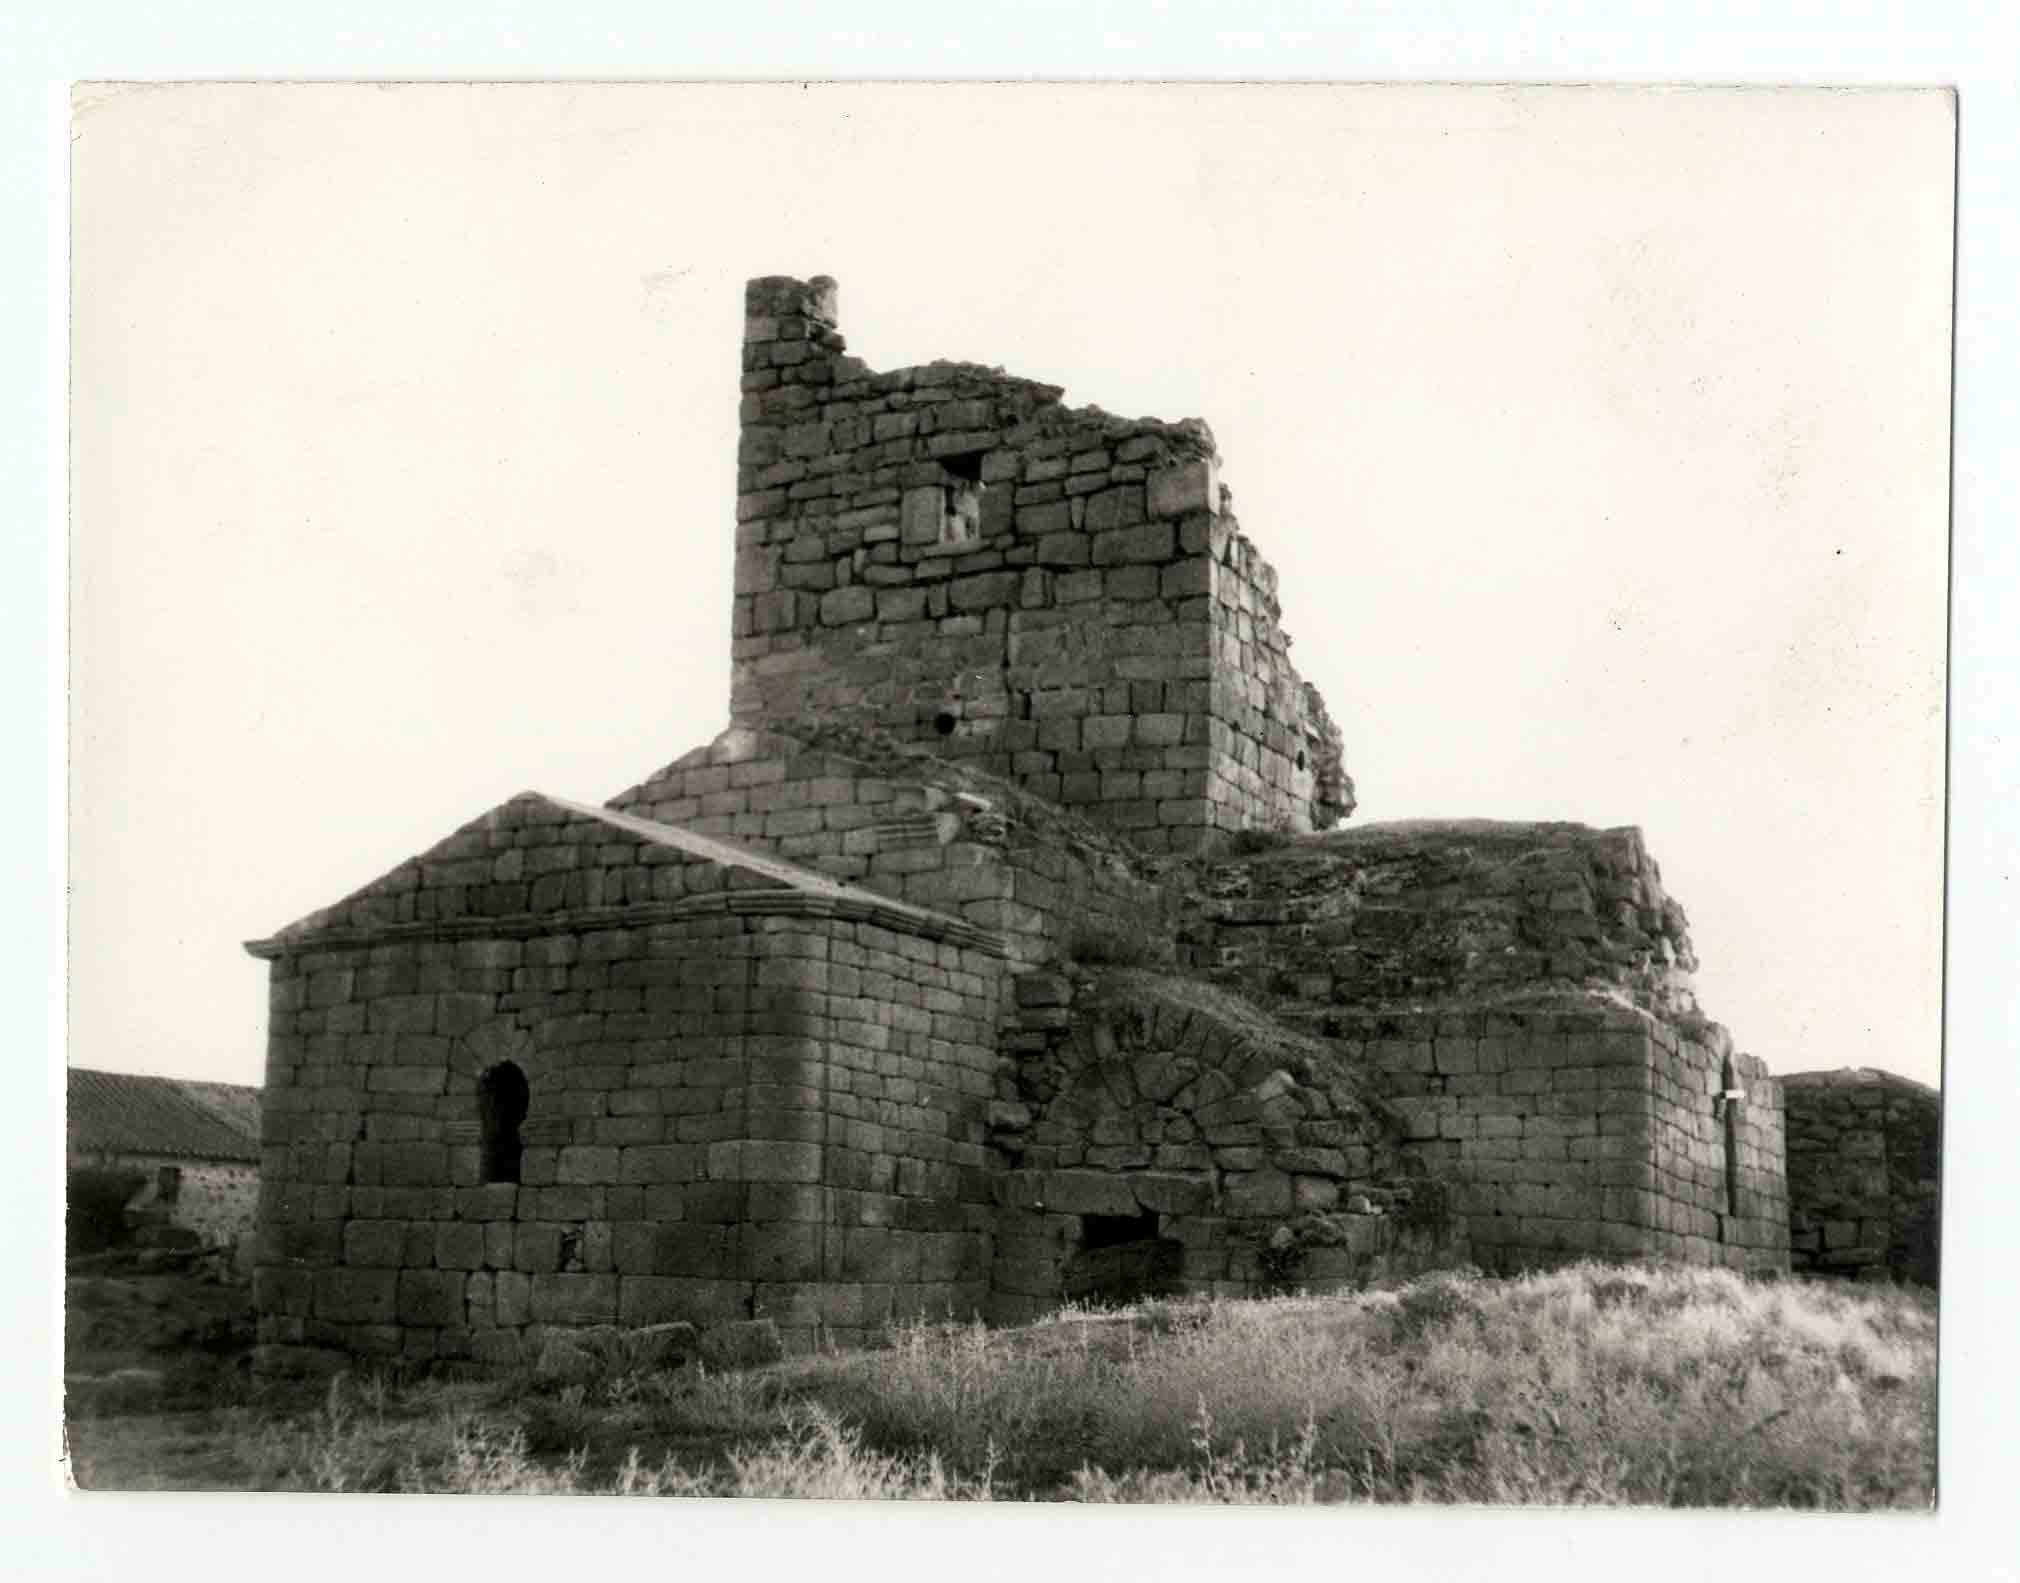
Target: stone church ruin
pixel 1004 950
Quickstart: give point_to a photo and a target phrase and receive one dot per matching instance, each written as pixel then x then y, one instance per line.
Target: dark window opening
pixel 967 466
pixel 1301 758
pixel 961 520
pixel 944 723
pixel 501 1106
pixel 1113 1231
pixel 168 1183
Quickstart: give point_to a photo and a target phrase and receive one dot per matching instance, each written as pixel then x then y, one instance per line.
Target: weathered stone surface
pixel 1190 486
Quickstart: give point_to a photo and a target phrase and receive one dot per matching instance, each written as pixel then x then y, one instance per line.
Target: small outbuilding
pixel 191 1148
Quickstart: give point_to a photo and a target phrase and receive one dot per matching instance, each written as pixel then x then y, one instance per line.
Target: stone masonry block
pixel 780 1251
pixel 1088 1193
pixel 769 1160
pixel 561 1299
pixel 459 1245
pixel 587 1164
pixel 1190 486
pixel 652 1300
pixel 431 1297
pixel 358 1297
pixel 1257 1194
pixel 374 1243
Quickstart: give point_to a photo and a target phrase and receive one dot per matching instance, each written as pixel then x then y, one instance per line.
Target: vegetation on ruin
pixel 1594 1384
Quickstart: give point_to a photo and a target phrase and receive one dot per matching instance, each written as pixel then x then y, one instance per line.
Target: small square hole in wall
pixel 1113 1231
pixel 962 523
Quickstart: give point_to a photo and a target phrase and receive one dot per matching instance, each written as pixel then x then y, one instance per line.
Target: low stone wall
pixel 1865 1175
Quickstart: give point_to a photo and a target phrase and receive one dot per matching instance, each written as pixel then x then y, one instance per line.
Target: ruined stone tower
pixel 996 954
pixel 1059 596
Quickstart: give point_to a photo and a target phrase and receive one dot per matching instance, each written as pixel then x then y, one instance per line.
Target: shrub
pixel 558 1424
pixel 95 1201
pixel 972 1397
pixel 1437 1302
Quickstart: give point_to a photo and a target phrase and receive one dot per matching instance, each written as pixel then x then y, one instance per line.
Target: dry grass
pixel 1588 1385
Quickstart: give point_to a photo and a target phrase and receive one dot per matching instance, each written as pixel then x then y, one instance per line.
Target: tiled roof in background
pixel 124 1113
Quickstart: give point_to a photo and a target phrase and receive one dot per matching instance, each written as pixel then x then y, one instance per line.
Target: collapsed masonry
pixel 997 954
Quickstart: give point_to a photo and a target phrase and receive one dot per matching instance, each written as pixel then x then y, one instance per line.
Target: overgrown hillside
pixel 1592 1384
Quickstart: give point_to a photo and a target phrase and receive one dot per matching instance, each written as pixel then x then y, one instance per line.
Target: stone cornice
pixel 769 903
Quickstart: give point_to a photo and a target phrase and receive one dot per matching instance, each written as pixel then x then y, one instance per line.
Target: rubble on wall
pixel 1524 990
pixel 1429 910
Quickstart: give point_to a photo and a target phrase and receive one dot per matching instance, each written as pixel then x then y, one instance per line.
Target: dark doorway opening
pixel 1122 1260
pixel 501 1106
pixel 1112 1231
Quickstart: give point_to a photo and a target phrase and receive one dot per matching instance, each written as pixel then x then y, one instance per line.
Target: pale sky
pixel 1599 438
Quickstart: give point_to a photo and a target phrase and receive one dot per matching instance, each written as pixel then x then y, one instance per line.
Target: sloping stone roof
pixel 538 862
pixel 125 1113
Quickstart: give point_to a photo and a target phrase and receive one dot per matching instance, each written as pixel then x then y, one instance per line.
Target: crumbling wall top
pixel 952 554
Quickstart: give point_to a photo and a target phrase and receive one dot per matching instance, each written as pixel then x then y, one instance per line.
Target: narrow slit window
pixel 501 1107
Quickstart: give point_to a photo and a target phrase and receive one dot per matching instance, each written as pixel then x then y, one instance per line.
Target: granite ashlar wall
pixel 1058 594
pixel 1865 1175
pixel 894 820
pixel 1579 1127
pixel 744 1099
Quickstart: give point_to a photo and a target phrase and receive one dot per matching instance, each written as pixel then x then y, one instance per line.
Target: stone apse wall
pixel 1865 1175
pixel 993 956
pixel 744 1090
